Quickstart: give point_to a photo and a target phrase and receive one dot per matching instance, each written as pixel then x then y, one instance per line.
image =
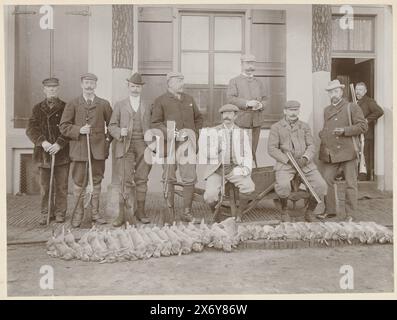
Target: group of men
pixel 80 133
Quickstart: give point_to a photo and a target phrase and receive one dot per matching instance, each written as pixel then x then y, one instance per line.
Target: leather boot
pixel 215 217
pixel 119 221
pixel 311 206
pixel 188 192
pixel 95 205
pixel 170 215
pixel 141 212
pixel 129 213
pixel 243 204
pixel 284 211
pixel 79 212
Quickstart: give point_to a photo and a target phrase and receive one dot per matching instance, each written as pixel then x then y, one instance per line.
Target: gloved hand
pixel 54 148
pixel 124 132
pixel 46 145
pixel 302 162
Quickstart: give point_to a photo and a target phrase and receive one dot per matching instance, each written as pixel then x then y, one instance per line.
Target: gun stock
pixel 362 167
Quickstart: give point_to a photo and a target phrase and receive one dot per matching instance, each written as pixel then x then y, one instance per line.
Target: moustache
pixel 89 88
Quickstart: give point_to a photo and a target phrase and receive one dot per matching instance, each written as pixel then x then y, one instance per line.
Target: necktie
pixel 89 102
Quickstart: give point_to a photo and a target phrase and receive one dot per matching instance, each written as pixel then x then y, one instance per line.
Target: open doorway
pixel 354 70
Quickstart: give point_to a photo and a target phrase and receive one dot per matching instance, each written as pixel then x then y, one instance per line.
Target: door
pixel 210 47
pixel 41 53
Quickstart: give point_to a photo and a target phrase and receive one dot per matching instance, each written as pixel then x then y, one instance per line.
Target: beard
pixel 335 99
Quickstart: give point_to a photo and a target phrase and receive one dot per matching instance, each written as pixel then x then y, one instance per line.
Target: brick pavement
pixel 23 213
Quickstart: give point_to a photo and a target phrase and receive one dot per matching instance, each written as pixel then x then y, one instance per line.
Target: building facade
pixel 299 48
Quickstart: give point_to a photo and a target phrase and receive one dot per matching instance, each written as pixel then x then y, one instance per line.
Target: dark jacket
pixel 242 89
pixel 372 111
pixel 77 113
pixel 335 148
pixel 184 112
pixel 44 125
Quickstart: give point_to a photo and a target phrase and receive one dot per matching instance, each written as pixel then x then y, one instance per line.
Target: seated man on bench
pixel 228 157
pixel 294 136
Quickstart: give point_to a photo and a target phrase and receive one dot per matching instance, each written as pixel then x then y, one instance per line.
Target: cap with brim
pixel 51 82
pixel 174 75
pixel 228 108
pixel 292 104
pixel 136 78
pixel 248 58
pixel 333 85
pixel 89 76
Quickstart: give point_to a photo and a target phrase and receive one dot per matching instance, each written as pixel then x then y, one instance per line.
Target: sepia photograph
pixel 198 149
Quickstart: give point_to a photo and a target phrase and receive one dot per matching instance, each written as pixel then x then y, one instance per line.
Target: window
pixel 359 39
pixel 210 48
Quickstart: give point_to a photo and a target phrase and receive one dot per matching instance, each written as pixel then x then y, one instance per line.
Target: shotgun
pixel 303 177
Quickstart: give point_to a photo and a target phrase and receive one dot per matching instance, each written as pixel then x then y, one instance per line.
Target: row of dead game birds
pixel 132 243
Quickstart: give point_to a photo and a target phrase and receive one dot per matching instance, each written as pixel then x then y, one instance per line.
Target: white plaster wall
pixel 299 58
pixel 100 61
pixel 298 69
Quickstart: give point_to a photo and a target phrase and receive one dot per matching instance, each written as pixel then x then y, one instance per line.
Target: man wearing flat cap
pixel 87 115
pixel 43 131
pixel 130 120
pixel 343 122
pixel 179 109
pixel 228 157
pixel 248 93
pixel 293 135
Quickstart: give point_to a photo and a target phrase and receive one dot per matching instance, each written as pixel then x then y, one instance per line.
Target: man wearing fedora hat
pixel 178 108
pixel 337 149
pixel 130 120
pixel 248 93
pixel 293 135
pixel 228 157
pixel 87 115
pixel 43 131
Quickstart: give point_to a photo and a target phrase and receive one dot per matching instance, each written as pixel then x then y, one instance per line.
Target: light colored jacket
pixel 122 117
pixel 297 139
pixel 213 143
pixel 242 89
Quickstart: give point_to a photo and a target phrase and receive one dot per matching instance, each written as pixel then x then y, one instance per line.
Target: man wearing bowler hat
pixel 43 131
pixel 228 158
pixel 337 149
pixel 130 120
pixel 180 109
pixel 294 136
pixel 87 115
pixel 248 93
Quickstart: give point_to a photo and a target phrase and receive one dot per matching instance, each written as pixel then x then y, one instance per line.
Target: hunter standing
pixel 43 131
pixel 337 149
pixel 372 112
pixel 130 120
pixel 292 135
pixel 87 115
pixel 248 93
pixel 179 108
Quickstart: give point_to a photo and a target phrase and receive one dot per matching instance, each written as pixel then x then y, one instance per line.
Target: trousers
pixel 60 189
pixel 351 193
